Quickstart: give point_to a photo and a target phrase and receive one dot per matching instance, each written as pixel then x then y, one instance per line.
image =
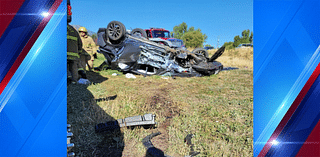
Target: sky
pixel 218 19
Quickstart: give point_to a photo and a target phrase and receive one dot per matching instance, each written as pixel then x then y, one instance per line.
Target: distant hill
pixel 89 32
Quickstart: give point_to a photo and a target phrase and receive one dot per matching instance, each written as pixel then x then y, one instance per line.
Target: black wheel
pixel 200 51
pixel 115 30
pixel 139 32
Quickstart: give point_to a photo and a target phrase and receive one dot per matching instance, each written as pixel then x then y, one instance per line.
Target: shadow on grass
pixel 229 68
pixel 83 113
pixel 95 77
pixel 154 152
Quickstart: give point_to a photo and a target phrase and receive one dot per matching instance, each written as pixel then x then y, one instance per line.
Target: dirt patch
pixel 130 148
pixel 159 100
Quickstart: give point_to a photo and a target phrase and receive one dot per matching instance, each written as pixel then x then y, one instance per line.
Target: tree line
pixel 194 38
pixel 246 37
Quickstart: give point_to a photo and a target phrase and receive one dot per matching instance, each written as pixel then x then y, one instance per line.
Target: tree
pixel 204 35
pixel 193 39
pixel 180 30
pixel 208 45
pixel 237 40
pixel 245 38
pixel 191 29
pixel 251 37
pixel 228 45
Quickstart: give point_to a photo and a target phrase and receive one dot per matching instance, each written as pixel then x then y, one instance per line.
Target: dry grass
pixel 241 58
pixel 217 109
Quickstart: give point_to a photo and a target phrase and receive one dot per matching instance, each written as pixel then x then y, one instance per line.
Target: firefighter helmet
pixel 82 29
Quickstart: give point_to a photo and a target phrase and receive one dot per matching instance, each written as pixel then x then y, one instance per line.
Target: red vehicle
pixel 158 33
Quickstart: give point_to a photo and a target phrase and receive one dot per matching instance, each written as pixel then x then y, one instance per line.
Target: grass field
pixel 218 110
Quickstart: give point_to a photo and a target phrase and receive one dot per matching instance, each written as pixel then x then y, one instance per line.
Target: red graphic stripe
pixel 8 10
pixel 29 45
pixel 311 146
pixel 291 110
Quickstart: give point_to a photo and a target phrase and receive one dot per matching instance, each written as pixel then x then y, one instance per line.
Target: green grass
pixel 218 109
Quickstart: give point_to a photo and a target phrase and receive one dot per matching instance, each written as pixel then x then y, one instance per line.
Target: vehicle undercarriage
pixel 134 53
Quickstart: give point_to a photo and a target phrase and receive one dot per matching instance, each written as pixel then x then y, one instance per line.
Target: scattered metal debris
pixel 145 120
pixel 188 140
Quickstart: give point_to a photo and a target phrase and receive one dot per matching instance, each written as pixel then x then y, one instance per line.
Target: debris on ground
pixel 129 75
pixel 145 120
pixel 115 74
pixel 83 81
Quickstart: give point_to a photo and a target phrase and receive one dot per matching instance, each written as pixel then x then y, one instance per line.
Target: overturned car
pixel 131 52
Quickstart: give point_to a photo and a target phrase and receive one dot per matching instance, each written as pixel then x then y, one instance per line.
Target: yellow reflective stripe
pixel 80 69
pixel 72 58
pixel 72 37
pixel 70 28
pixel 73 54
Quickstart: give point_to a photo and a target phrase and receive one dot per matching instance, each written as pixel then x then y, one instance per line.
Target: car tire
pixel 115 31
pixel 140 31
pixel 201 51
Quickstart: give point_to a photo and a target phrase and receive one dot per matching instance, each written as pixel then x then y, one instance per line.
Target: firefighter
pixel 89 46
pixel 84 58
pixel 74 48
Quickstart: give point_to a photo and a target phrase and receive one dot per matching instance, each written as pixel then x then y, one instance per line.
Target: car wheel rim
pixel 202 53
pixel 114 30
